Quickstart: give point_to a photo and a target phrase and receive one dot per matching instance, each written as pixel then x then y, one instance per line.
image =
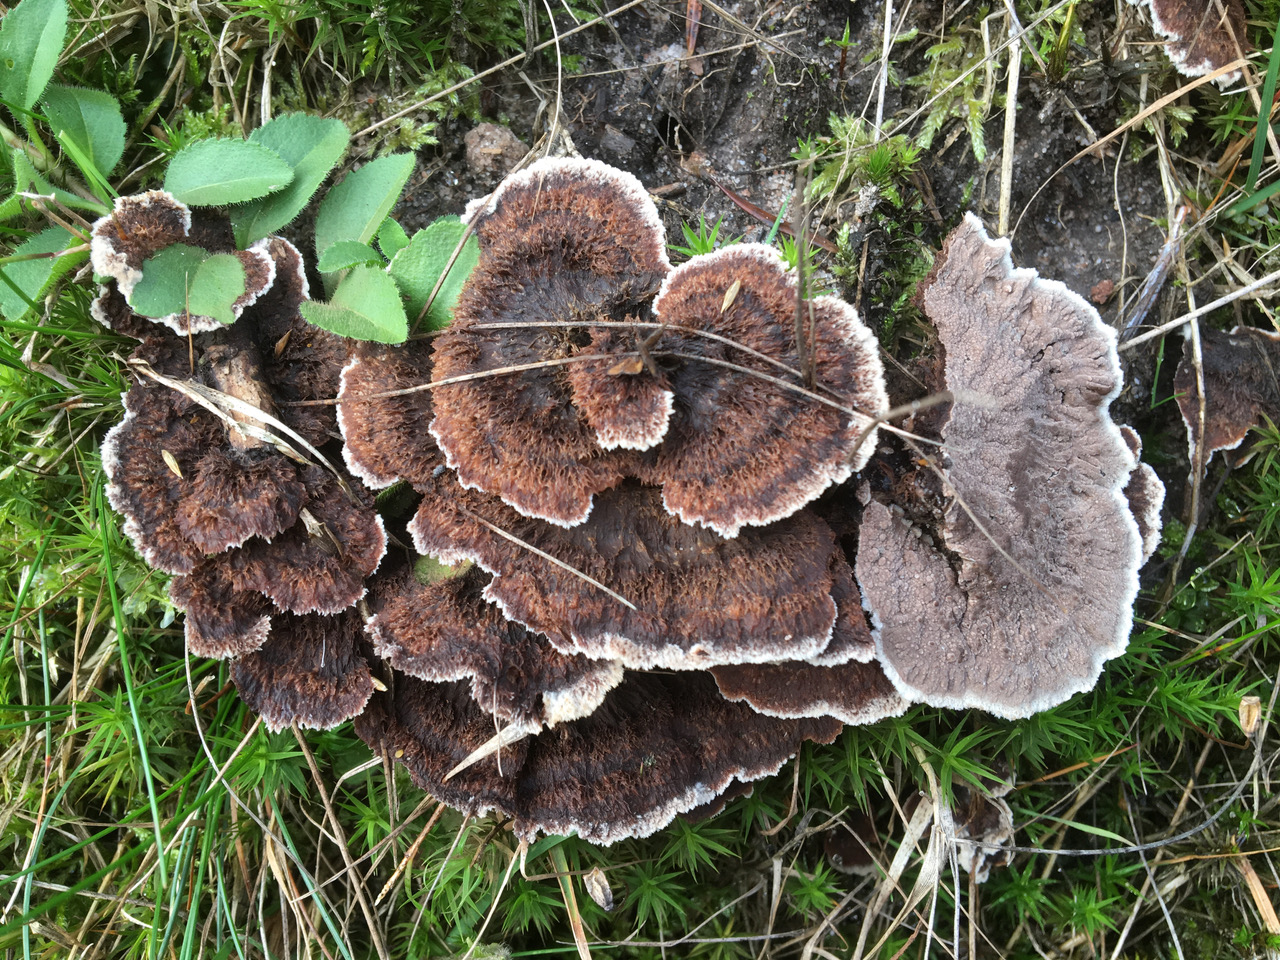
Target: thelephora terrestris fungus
pixel 1033 585
pixel 659 745
pixel 1241 371
pixel 310 670
pixel 446 630
pixel 696 599
pixel 1200 35
pixel 563 242
pixel 384 415
pixel 215 487
pixel 745 446
pixel 1145 493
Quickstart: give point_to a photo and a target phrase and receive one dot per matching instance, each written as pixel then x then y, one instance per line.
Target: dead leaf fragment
pixel 598 888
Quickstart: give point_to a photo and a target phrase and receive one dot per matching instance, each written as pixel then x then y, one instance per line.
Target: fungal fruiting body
pixel 638 473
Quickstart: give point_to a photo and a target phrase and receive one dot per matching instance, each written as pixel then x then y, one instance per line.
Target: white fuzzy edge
pixel 626 184
pixel 109 262
pixel 1179 60
pixel 879 708
pixel 652 435
pixel 576 700
pixel 1109 648
pixel 521 509
pixel 369 478
pixel 861 341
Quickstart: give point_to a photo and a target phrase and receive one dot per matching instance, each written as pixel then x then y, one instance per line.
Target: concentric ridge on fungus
pixel 565 241
pixel 742 449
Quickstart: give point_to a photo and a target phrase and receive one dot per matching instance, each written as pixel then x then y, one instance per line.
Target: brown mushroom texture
pixel 698 599
pixel 1241 371
pixel 1200 35
pixel 747 444
pixel 562 242
pixel 1046 549
pixel 659 745
pixel 446 631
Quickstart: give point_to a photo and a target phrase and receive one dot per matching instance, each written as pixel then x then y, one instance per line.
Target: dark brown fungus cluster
pixel 212 472
pixel 650 607
pixel 1032 586
pixel 623 460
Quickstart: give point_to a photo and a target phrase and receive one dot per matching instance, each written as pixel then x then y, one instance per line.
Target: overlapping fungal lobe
pixel 749 441
pixel 658 746
pixel 184 492
pixel 1200 35
pixel 696 599
pixel 310 670
pixel 318 565
pixel 1033 585
pixel 1145 493
pixel 384 417
pixel 1241 372
pixel 563 244
pixel 842 682
pixel 221 620
pixel 446 631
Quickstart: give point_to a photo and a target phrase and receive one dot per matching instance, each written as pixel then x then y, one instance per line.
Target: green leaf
pixel 34 277
pixel 1088 828
pixel 391 238
pixel 312 146
pixel 181 278
pixel 91 121
pixel 347 253
pixel 214 172
pixel 366 306
pixel 356 207
pixel 418 266
pixel 30 40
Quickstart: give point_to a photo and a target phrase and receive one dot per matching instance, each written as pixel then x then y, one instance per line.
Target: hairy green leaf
pixel 34 277
pixel 312 146
pixel 418 266
pixel 215 172
pixel 181 277
pixel 30 40
pixel 391 238
pixel 347 253
pixel 356 207
pixel 91 121
pixel 366 306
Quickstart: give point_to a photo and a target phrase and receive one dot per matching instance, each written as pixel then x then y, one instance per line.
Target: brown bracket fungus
pixel 1033 588
pixel 660 745
pixel 1200 36
pixel 446 631
pixel 693 599
pixel 310 671
pixel 565 241
pixel 210 470
pixel 745 445
pixel 1145 493
pixel 1241 371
